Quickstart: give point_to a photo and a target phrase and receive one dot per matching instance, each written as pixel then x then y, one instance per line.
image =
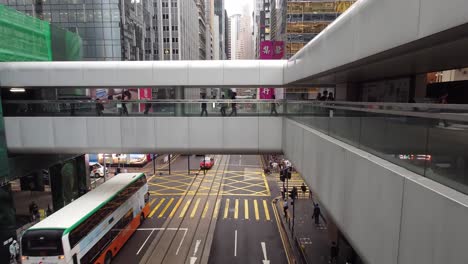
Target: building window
pixel 165 16
pixel 175 51
pixel 175 40
pixel 175 28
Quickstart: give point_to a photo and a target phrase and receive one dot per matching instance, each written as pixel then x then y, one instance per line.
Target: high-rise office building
pixel 202 27
pixel 228 38
pixel 245 49
pixel 234 22
pixel 226 34
pixel 306 19
pixel 178 29
pixel 219 11
pixel 110 29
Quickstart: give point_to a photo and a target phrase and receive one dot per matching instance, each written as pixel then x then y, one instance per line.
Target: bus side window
pixel 75 259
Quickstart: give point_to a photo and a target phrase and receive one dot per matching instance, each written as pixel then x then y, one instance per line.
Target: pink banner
pixel 270 50
pixel 266 50
pixel 266 93
pixel 278 50
pixel 144 94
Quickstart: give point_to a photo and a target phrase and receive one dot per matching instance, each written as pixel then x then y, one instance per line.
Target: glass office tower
pixel 110 29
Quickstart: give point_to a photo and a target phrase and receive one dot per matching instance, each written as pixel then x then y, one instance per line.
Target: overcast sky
pixel 235 6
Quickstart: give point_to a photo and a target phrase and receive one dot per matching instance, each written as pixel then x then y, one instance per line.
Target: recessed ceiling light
pixel 17 90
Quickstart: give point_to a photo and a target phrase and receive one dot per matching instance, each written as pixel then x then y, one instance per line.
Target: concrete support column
pixel 179 95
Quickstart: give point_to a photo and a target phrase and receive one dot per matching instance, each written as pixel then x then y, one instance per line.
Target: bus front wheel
pixel 108 258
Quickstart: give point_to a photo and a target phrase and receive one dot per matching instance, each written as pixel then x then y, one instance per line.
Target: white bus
pixel 93 228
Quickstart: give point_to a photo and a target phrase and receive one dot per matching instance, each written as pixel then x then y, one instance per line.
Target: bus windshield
pixel 42 243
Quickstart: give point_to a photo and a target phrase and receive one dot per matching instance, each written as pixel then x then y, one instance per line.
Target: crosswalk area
pixel 224 208
pixel 296 180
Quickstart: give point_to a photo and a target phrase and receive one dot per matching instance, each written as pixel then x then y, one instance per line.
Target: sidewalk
pixel 313 239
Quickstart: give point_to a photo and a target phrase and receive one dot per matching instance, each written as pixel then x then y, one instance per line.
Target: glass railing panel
pixel 448 156
pixel 142 108
pixel 346 125
pixel 428 139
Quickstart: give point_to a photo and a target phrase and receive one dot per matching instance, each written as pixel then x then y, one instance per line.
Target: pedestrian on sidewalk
pixel 304 189
pixel 333 253
pixel 316 214
pixel 49 211
pixel 14 251
pixel 285 208
pixel 34 211
pixel 310 193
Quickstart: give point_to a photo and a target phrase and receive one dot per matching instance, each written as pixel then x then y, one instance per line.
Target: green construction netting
pixel 23 38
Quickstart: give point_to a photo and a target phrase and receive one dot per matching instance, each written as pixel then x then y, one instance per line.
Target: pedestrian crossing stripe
pixel 267 212
pixel 207 205
pixel 234 209
pixel 226 209
pixel 194 210
pixel 256 210
pixel 156 208
pixel 165 208
pixel 175 208
pixel 217 207
pixel 187 204
pixel 246 208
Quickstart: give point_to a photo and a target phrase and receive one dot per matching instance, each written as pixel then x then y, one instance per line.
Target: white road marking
pixel 194 259
pixel 265 258
pixel 144 243
pixel 235 244
pixel 159 229
pixel 181 241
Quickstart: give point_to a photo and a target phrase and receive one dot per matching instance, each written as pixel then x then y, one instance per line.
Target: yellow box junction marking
pixel 194 210
pixel 157 207
pixel 165 208
pixel 175 207
pixel 226 209
pixel 152 202
pixel 246 207
pixel 185 208
pixel 267 212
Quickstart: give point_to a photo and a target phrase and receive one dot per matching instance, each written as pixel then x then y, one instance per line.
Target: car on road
pixel 97 170
pixel 207 163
